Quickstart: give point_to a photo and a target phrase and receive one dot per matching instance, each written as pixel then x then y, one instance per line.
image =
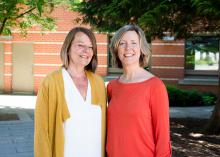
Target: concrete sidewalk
pixel 16 137
pixel 24 106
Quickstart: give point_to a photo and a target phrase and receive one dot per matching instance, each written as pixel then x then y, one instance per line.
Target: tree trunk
pixel 3 25
pixel 213 126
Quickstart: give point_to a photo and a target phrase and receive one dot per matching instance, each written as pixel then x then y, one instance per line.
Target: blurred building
pixel 24 62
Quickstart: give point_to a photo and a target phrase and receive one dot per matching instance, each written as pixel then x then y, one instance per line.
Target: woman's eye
pixel 121 43
pixel 80 45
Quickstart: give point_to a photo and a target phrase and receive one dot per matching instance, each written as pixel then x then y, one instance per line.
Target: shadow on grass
pixel 188 139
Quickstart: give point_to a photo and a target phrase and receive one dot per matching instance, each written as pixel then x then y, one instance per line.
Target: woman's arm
pixel 160 120
pixel 104 105
pixel 41 137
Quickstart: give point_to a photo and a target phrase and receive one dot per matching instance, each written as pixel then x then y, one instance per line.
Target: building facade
pixel 24 62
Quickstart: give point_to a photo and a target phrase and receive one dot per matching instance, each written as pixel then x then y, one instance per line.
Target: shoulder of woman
pixel 51 77
pixel 156 80
pixel 111 82
pixel 94 76
pixel 157 83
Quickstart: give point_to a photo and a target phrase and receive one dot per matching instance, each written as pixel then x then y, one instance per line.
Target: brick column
pixel 7 67
pixel 102 46
pixel 167 60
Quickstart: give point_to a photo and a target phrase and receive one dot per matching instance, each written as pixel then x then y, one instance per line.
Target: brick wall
pixel 47 48
pixel 167 60
pixel 7 66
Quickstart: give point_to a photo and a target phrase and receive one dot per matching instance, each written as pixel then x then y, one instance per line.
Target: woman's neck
pixel 135 74
pixel 131 73
pixel 76 72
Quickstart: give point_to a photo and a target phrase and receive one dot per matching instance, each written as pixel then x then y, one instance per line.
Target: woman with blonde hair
pixel 138 114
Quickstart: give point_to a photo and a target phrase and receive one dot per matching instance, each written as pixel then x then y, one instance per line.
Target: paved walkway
pixel 16 137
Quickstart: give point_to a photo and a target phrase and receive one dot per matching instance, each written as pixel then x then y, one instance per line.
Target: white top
pixel 82 131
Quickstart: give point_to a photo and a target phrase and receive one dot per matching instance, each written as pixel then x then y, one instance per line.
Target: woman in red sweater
pixel 138 111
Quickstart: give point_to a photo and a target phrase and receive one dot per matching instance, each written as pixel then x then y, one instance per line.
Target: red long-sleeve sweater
pixel 138 119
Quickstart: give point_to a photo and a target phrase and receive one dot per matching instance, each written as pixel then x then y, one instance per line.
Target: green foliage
pixel 207 7
pixel 209 98
pixel 180 18
pixel 190 61
pixel 24 14
pixel 184 98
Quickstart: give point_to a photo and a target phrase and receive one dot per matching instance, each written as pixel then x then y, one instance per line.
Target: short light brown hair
pixel 64 53
pixel 145 47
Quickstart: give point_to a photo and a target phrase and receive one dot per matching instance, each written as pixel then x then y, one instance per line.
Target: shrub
pixel 184 98
pixel 209 98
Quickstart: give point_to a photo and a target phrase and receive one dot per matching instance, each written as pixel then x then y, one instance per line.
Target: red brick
pixel 168 49
pixel 37 37
pixel 102 49
pixel 101 71
pixel 37 82
pixel 167 61
pixel 44 69
pixel 47 59
pixel 8 58
pixel 168 73
pixel 7 47
pixel 47 48
pixel 102 60
pixel 101 38
pixel 7 84
pixel 167 42
pixel 7 69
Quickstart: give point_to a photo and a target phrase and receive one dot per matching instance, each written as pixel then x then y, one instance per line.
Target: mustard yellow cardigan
pixel 51 111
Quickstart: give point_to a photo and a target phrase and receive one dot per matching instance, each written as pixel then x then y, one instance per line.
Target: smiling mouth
pixel 83 56
pixel 128 55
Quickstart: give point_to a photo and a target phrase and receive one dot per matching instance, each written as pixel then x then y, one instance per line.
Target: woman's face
pixel 129 49
pixel 81 51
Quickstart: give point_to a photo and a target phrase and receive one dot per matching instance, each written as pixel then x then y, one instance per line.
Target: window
pixel 201 61
pixel 202 54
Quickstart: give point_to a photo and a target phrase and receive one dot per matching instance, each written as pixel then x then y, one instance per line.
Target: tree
pixel 212 11
pixel 180 18
pixel 24 14
pixel 158 18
